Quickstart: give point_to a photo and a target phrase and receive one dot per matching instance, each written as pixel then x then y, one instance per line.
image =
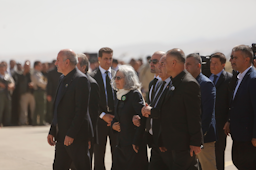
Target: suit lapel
pixel 221 79
pixel 242 83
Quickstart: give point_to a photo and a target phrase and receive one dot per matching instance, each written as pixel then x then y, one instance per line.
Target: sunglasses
pixel 154 61
pixel 118 78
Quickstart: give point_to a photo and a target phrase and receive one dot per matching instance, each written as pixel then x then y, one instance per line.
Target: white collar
pixel 121 92
pixel 159 78
pixel 240 76
pixel 103 71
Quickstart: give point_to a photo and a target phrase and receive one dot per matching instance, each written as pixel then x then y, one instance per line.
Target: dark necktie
pixel 158 94
pixel 110 102
pixel 153 90
pixel 215 78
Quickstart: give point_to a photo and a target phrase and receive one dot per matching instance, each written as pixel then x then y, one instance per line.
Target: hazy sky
pixel 32 26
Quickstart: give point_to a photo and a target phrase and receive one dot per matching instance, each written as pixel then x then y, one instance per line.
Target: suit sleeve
pixel 192 103
pixel 81 100
pixel 94 104
pixel 138 103
pixel 253 101
pixel 208 95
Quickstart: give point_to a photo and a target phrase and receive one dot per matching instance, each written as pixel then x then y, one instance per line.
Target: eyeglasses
pixel 118 78
pixel 154 61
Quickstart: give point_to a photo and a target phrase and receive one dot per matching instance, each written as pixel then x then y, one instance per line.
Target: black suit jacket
pixel 72 110
pixel 222 102
pixel 243 109
pixel 125 110
pixel 180 114
pixel 102 102
pixel 94 106
pixel 53 77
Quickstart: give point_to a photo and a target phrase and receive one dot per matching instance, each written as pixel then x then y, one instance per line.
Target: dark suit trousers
pixel 77 153
pixel 104 131
pixel 220 147
pixel 244 155
pixel 159 160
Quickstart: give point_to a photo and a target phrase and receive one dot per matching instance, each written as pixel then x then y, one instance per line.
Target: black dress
pixel 125 158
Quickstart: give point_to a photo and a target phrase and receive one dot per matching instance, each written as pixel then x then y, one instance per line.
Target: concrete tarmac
pixel 26 148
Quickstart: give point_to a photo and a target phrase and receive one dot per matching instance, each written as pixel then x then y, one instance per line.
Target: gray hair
pixel 245 49
pixel 178 54
pixel 196 57
pixel 71 56
pixel 84 61
pixel 130 78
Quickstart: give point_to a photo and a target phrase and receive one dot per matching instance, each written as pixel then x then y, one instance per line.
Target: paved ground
pixel 26 148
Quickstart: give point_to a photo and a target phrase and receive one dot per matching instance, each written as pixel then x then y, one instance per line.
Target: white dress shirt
pixel 240 77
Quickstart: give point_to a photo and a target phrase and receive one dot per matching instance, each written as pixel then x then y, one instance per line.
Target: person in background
pixel 115 64
pixel 83 66
pixel 7 85
pixel 221 79
pixel 27 100
pixel 94 64
pixel 208 94
pixel 39 85
pixel 131 150
pixel 145 76
pixel 53 77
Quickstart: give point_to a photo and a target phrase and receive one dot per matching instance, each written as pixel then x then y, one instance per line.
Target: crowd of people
pixel 181 114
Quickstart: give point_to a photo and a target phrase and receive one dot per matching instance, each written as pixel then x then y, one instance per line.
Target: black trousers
pixel 244 155
pixel 77 153
pixel 104 131
pixel 160 160
pixel 220 147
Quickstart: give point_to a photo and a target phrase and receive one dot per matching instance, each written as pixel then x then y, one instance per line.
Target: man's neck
pixel 68 71
pixel 243 69
pixel 105 68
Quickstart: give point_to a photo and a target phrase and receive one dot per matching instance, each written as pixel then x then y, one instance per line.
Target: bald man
pixel 179 113
pixel 71 127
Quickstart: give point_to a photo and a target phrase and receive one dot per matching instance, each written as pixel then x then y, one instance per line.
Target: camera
pixel 254 49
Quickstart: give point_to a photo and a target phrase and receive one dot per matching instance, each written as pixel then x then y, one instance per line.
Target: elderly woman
pixel 130 153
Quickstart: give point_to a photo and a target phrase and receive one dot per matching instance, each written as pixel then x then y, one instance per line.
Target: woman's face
pixel 119 80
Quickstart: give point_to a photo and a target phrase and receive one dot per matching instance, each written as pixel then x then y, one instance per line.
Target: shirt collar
pixel 168 80
pixel 158 78
pixel 240 76
pixel 218 73
pixel 103 71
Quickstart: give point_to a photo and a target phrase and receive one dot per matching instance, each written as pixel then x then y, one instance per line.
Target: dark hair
pixel 105 50
pixel 115 61
pixel 178 54
pixel 245 49
pixel 36 63
pixel 196 57
pixel 220 56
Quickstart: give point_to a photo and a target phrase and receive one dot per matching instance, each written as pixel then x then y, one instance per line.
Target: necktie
pixel 110 101
pixel 158 94
pixel 215 78
pixel 153 90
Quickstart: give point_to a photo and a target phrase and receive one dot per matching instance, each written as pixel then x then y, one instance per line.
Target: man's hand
pixel 226 129
pixel 31 85
pixel 162 149
pixel 2 85
pixel 136 120
pixel 49 98
pixel 194 149
pixel 50 140
pixel 135 148
pixel 108 118
pixel 254 142
pixel 116 127
pixel 146 110
pixel 89 144
pixel 68 141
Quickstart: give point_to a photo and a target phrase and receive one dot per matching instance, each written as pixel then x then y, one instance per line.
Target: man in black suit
pixel 242 115
pixel 103 76
pixel 179 114
pixel 51 87
pixel 71 125
pixel 83 66
pixel 221 80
